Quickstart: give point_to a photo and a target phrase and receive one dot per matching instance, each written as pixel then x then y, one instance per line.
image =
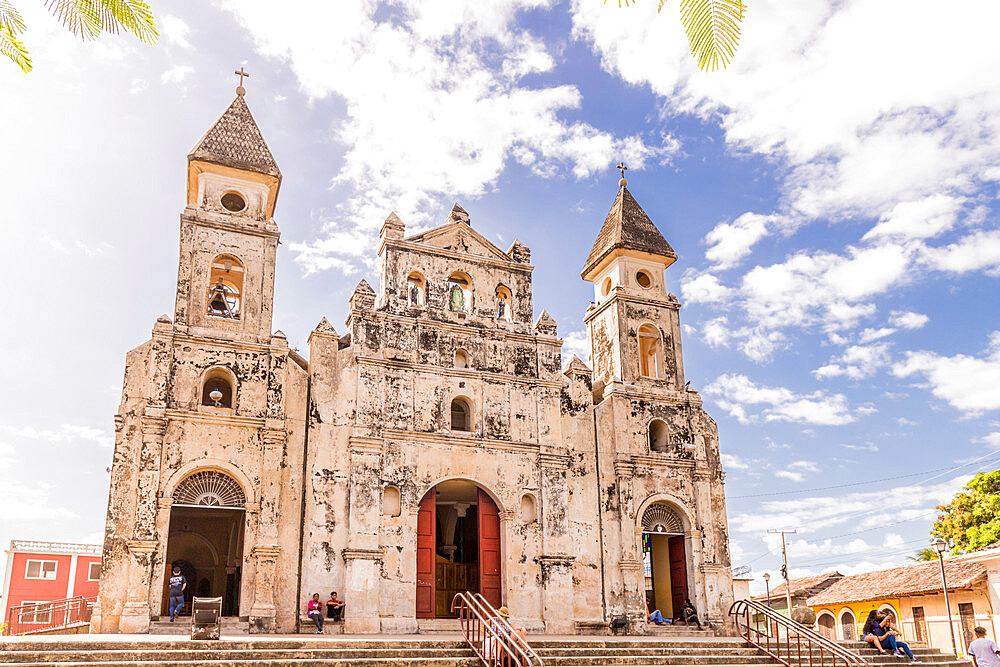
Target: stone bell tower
pixel 225 279
pixel 633 327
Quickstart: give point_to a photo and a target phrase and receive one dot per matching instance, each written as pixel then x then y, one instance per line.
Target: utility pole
pixel 784 569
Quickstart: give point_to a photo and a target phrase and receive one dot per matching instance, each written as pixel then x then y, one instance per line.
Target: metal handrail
pixel 799 646
pixel 490 635
pixel 60 614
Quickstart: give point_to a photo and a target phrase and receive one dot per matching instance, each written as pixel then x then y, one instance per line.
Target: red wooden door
pixel 426 538
pixel 489 550
pixel 678 573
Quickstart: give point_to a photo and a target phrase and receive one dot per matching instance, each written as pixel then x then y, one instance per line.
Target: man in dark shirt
pixel 335 608
pixel 177 585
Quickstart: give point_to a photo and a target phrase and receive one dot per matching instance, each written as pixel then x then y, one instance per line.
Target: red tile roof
pixel 900 582
pixel 802 585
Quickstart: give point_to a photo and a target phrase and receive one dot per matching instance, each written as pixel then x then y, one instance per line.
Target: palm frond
pixel 89 18
pixel 12 25
pixel 80 17
pixel 713 30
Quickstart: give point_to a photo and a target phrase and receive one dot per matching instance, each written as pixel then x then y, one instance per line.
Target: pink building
pixel 40 572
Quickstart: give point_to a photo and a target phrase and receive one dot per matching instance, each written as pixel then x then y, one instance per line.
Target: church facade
pixel 439 442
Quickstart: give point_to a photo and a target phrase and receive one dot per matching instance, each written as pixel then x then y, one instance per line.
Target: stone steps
pixel 693 651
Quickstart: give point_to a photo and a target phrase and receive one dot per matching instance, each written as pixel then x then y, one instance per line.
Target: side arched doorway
pixel 458 547
pixel 827 625
pixel 664 560
pixel 848 625
pixel 206 539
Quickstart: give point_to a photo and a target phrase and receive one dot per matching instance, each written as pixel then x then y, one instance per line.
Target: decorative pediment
pixel 460 237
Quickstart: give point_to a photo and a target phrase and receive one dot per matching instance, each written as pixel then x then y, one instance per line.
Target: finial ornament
pixel 621 167
pixel 240 90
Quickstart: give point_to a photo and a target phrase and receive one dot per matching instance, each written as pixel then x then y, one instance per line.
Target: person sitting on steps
pixel 315 612
pixel 656 616
pixel 335 608
pixel 877 633
pixel 689 614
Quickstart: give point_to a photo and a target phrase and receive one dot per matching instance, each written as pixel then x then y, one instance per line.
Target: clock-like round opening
pixel 606 286
pixel 643 279
pixel 233 201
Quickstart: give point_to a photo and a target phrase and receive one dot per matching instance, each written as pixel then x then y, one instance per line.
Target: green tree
pixel 87 19
pixel 924 554
pixel 971 520
pixel 712 28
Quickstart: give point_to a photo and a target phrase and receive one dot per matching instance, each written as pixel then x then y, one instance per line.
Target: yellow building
pixel 914 594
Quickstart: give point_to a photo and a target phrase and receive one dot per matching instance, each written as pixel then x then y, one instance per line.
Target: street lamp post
pixel 767 587
pixel 939 546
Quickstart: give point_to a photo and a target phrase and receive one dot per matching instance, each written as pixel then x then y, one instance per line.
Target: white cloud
pixel 138 85
pixel 427 123
pixel 966 382
pixel 868 335
pixel 62 433
pixel 868 447
pixel 575 342
pixel 734 462
pixel 992 439
pixel 175 30
pixel 975 252
pixel 756 343
pixel 704 288
pixel 853 511
pixel 730 242
pixel 22 503
pixel 920 219
pixel 6 455
pixel 907 320
pixel 790 475
pixel 857 361
pixel 735 393
pixel 176 74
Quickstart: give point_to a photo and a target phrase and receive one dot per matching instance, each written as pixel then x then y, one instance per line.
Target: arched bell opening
pixel 664 559
pixel 458 547
pixel 206 531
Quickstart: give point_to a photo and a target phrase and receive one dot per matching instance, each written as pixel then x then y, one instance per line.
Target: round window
pixel 643 279
pixel 606 286
pixel 233 201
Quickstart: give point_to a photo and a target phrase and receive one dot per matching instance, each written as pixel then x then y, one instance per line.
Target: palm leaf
pixel 713 30
pixel 89 18
pixel 11 25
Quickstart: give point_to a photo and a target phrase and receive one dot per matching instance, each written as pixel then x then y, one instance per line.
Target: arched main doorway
pixel 206 539
pixel 458 547
pixel 664 560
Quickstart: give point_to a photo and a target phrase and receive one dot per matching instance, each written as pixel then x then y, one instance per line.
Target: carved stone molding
pixel 153 425
pixel 507 515
pixel 630 565
pixel 359 444
pixel 556 560
pixel 165 503
pixel 363 554
pixel 139 547
pixel 265 551
pixel 273 437
pixel 550 461
pixel 624 468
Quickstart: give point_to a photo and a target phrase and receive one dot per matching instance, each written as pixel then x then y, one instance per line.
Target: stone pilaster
pixel 264 549
pixel 557 593
pixel 633 584
pixel 362 572
pixel 262 612
pixel 556 563
pixel 135 613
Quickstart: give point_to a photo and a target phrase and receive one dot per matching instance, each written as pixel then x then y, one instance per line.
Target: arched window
pixel 217 388
pixel 649 351
pixel 212 488
pixel 415 289
pixel 459 292
pixel 660 518
pixel 225 287
pixel 461 358
pixel 461 415
pixel 503 303
pixel 657 436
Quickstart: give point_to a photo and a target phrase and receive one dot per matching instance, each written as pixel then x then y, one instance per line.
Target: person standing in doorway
pixel 177 585
pixel 984 651
pixel 335 608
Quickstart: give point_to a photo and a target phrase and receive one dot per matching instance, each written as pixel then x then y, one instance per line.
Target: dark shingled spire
pixel 627 226
pixel 236 141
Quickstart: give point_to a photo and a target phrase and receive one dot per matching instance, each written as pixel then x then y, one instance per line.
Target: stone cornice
pixel 622 296
pixel 363 554
pixel 624 468
pixel 461 440
pixel 670 396
pixel 629 565
pixel 661 461
pixel 220 420
pixel 550 461
pixel 556 560
pixel 266 551
pixel 221 343
pixel 469 373
pixel 202 221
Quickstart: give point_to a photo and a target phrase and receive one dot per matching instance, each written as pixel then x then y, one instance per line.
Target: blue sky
pixel 832 197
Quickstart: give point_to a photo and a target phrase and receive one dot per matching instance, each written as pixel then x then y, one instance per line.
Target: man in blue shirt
pixel 177 585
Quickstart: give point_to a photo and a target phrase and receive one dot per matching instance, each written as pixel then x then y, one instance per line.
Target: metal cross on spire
pixel 240 90
pixel 621 167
